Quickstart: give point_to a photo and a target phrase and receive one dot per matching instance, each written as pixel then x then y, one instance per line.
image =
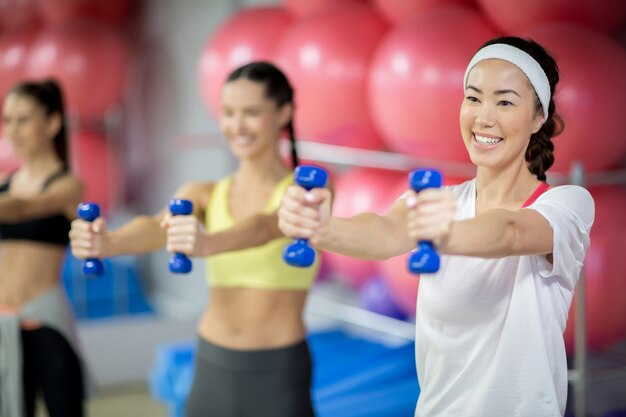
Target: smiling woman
pixel 252 356
pixel 489 325
pixel 37 203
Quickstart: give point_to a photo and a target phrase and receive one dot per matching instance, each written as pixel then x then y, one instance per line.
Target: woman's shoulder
pixel 567 193
pixel 570 198
pixel 64 180
pixel 465 188
pixel 197 191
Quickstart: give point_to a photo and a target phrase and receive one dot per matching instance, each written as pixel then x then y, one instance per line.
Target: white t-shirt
pixel 489 332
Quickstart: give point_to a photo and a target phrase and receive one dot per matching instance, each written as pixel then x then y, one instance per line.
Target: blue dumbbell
pixel 179 262
pixel 299 253
pixel 424 259
pixel 90 212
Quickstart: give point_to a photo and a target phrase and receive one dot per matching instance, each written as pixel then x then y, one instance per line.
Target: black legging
pixel 52 366
pixel 251 383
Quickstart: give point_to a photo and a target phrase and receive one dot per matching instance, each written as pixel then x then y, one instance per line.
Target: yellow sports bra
pixel 257 267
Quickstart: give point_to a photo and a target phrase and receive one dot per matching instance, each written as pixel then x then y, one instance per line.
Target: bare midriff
pixel 251 318
pixel 27 270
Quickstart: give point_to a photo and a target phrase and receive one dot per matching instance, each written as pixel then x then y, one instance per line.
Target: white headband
pixel 521 60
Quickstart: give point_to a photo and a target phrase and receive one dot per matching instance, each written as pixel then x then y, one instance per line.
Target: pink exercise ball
pixel 416 78
pixel 590 96
pixel 110 11
pixel 327 57
pixel 96 162
pixel 302 8
pixel 398 11
pixel 513 16
pixel 16 14
pixel 249 35
pixel 604 272
pixel 402 284
pixel 14 48
pixel 90 60
pixel 360 190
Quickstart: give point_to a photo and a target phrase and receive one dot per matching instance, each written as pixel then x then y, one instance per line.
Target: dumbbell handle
pixel 424 259
pixel 179 263
pixel 300 253
pixel 90 212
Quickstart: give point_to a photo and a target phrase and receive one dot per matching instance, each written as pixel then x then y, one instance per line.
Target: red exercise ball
pixel 402 284
pixel 90 60
pixel 511 17
pixel 327 56
pixel 16 14
pixel 95 161
pixel 604 273
pixel 249 35
pixel 590 96
pixel 306 7
pixel 365 189
pixel 357 191
pixel 416 81
pixel 398 11
pixel 110 11
pixel 14 48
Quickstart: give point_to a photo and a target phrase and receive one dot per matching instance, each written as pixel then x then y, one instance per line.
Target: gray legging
pixel 259 383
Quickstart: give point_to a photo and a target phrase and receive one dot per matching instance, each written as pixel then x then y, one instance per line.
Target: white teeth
pixel 487 141
pixel 243 140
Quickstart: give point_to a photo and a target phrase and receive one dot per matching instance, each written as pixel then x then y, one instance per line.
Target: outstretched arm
pixel 493 234
pixel 365 236
pixel 187 235
pixel 142 234
pixel 62 196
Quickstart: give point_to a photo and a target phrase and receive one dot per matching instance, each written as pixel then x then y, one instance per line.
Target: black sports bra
pixel 52 229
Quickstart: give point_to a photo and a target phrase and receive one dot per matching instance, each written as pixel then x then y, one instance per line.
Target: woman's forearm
pixel 365 236
pixel 141 235
pixel 256 231
pixel 499 233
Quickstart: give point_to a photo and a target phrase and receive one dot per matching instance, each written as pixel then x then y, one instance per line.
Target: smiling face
pixel 498 115
pixel 27 126
pixel 251 122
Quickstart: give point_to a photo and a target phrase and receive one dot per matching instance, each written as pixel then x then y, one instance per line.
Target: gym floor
pixel 122 401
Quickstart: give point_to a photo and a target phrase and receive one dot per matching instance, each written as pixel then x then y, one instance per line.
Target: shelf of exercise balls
pixel 347 156
pixel 343 155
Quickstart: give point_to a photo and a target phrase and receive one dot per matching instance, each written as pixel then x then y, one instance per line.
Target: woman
pixel 252 357
pixel 37 204
pixel 489 324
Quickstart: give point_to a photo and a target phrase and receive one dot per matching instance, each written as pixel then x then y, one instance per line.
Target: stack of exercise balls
pixel 387 75
pixel 80 43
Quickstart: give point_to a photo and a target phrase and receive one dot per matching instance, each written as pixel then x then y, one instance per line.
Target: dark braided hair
pixel 539 153
pixel 48 95
pixel 277 88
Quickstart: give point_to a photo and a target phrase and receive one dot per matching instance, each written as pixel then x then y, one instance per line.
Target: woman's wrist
pixel 325 235
pixel 206 244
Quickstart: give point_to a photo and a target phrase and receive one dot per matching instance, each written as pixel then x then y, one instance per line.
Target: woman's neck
pixel 499 188
pixel 41 165
pixel 262 169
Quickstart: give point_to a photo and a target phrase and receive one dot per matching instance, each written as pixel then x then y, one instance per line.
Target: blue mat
pixel 353 377
pixel 117 292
